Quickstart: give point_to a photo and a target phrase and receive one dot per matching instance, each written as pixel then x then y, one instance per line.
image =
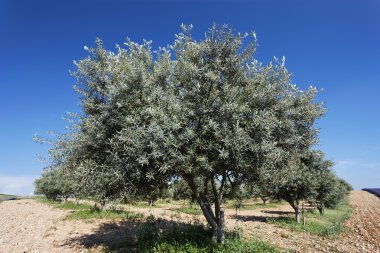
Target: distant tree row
pixel 200 114
pixel 310 180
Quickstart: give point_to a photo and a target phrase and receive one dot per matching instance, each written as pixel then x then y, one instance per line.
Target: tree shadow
pixel 247 218
pixel 139 235
pixel 262 218
pixel 108 235
pixel 281 213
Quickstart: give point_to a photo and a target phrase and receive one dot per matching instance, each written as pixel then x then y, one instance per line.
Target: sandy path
pixel 28 226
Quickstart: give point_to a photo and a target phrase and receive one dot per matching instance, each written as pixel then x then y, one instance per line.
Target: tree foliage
pixel 205 111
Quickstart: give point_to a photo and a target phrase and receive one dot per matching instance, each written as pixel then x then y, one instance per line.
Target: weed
pixel 96 213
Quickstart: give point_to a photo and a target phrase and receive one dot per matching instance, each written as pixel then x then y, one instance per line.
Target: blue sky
pixel 334 45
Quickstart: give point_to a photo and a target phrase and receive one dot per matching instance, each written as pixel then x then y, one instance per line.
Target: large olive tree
pixel 202 110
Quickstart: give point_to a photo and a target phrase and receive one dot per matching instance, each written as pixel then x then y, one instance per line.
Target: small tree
pixel 48 185
pixel 180 189
pixel 340 190
pixel 260 191
pixel 295 183
pixel 329 189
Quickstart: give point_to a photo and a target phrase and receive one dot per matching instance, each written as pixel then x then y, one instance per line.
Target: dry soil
pixel 29 226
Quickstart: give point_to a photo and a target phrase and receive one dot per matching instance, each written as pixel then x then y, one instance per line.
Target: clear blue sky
pixel 333 45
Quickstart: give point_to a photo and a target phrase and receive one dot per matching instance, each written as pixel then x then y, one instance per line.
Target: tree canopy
pixel 202 111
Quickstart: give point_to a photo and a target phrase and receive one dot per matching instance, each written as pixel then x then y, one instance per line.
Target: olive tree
pixel 294 183
pixel 202 110
pixel 324 178
pixel 329 189
pixel 48 185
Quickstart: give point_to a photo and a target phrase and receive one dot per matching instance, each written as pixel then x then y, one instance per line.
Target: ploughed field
pixel 27 225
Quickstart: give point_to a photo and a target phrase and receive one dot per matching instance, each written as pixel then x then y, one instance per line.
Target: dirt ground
pixel 29 226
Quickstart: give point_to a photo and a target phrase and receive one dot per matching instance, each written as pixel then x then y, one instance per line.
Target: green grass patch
pixel 165 201
pixel 145 204
pixel 85 211
pixel 96 213
pixel 234 245
pixel 188 210
pixel 329 224
pixel 186 238
pixel 156 204
pixel 7 196
pixel 63 205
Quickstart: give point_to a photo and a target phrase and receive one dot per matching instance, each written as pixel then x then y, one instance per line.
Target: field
pixel 35 225
pixel 4 197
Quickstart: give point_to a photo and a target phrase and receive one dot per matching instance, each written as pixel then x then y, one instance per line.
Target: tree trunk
pixel 295 205
pixel 220 229
pixel 303 214
pixel 102 204
pixel 321 208
pixel 297 212
pixel 216 221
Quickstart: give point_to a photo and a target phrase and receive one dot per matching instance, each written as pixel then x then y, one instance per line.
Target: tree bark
pixel 297 212
pixel 219 213
pixel 204 205
pixel 216 221
pixel 303 214
pixel 295 205
pixel 321 208
pixel 220 229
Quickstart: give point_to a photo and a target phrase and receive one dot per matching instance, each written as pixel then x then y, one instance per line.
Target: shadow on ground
pixel 132 236
pixel 259 218
pixel 281 213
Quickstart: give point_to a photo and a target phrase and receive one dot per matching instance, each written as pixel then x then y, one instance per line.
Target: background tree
pixel 325 179
pixel 47 185
pixel 294 183
pixel 340 190
pixel 180 190
pixel 259 190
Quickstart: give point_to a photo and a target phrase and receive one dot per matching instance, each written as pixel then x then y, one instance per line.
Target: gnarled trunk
pixel 295 205
pixel 215 220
